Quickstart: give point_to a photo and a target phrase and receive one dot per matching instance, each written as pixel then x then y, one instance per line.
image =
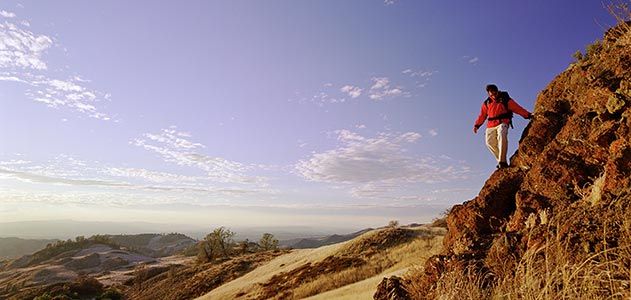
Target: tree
pixel 244 246
pixel 393 224
pixel 204 254
pixel 268 242
pixel 220 241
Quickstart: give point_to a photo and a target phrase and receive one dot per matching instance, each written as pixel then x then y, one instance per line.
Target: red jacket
pixel 496 108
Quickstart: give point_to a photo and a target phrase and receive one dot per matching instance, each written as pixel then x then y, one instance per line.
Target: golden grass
pixel 400 257
pixel 283 263
pixel 552 271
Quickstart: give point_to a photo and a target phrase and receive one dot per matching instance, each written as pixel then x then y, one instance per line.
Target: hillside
pixel 86 261
pixel 557 223
pixel 349 269
pixel 90 267
pixel 153 244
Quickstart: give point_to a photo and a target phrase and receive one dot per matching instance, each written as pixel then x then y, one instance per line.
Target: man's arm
pixel 480 120
pixel 516 108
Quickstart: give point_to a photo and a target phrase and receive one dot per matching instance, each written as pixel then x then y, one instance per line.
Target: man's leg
pixel 491 142
pixel 502 141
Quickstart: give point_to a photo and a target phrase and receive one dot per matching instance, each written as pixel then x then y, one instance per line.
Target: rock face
pixel 391 289
pixel 570 176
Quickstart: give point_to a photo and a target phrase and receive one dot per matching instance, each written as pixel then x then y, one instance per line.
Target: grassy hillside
pixel 349 270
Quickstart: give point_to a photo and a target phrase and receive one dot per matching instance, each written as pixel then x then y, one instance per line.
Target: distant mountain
pixel 65 229
pixel 15 247
pixel 69 229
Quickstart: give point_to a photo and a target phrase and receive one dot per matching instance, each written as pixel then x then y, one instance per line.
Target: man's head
pixel 492 90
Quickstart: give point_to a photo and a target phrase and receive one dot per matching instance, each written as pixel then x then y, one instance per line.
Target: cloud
pixel 22 49
pixel 389 2
pixel 352 91
pixel 379 160
pixel 151 176
pixel 58 93
pixel 372 190
pixel 471 59
pixel 21 53
pixel 67 93
pixel 174 147
pixel 381 89
pixel 421 77
pixel 7 14
pixel 68 171
pixel 36 178
pixel 419 73
pixel 360 126
pixel 432 132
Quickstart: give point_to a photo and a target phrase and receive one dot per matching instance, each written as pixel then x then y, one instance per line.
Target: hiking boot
pixel 502 165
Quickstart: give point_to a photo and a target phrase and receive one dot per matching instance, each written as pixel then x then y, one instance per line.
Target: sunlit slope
pixel 348 270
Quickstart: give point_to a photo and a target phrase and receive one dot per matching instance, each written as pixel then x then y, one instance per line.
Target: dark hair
pixel 491 88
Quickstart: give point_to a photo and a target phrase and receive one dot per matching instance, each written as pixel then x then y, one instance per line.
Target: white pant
pixel 497 141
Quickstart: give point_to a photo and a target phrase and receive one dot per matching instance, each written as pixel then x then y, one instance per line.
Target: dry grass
pixel 621 11
pixel 554 270
pixel 551 271
pixel 397 258
pixel 284 263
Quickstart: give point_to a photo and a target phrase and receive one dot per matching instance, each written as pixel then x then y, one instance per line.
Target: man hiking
pixel 498 109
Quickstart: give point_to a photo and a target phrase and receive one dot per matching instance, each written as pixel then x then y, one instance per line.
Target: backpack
pixel 504 98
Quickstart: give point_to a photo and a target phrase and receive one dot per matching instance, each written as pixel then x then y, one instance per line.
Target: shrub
pixel 268 242
pixel 111 294
pixel 393 224
pixel 593 49
pixel 86 286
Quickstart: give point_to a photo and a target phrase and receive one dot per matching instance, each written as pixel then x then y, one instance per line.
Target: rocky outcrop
pixel 571 175
pixel 392 289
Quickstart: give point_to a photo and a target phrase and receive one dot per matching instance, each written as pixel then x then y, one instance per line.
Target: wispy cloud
pixel 352 91
pixel 36 178
pixel 7 14
pixel 68 171
pixel 21 48
pixel 382 89
pixel 471 59
pixel 377 161
pixel 433 132
pixel 21 54
pixel 68 93
pixel 175 147
pixel 421 77
pixel 389 2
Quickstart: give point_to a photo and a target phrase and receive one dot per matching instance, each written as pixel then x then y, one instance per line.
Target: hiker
pixel 498 108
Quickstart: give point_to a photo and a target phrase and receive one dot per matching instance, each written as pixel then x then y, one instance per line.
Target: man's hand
pixel 475 129
pixel 529 117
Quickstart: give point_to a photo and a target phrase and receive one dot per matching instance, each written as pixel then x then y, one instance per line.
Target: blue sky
pixel 264 113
